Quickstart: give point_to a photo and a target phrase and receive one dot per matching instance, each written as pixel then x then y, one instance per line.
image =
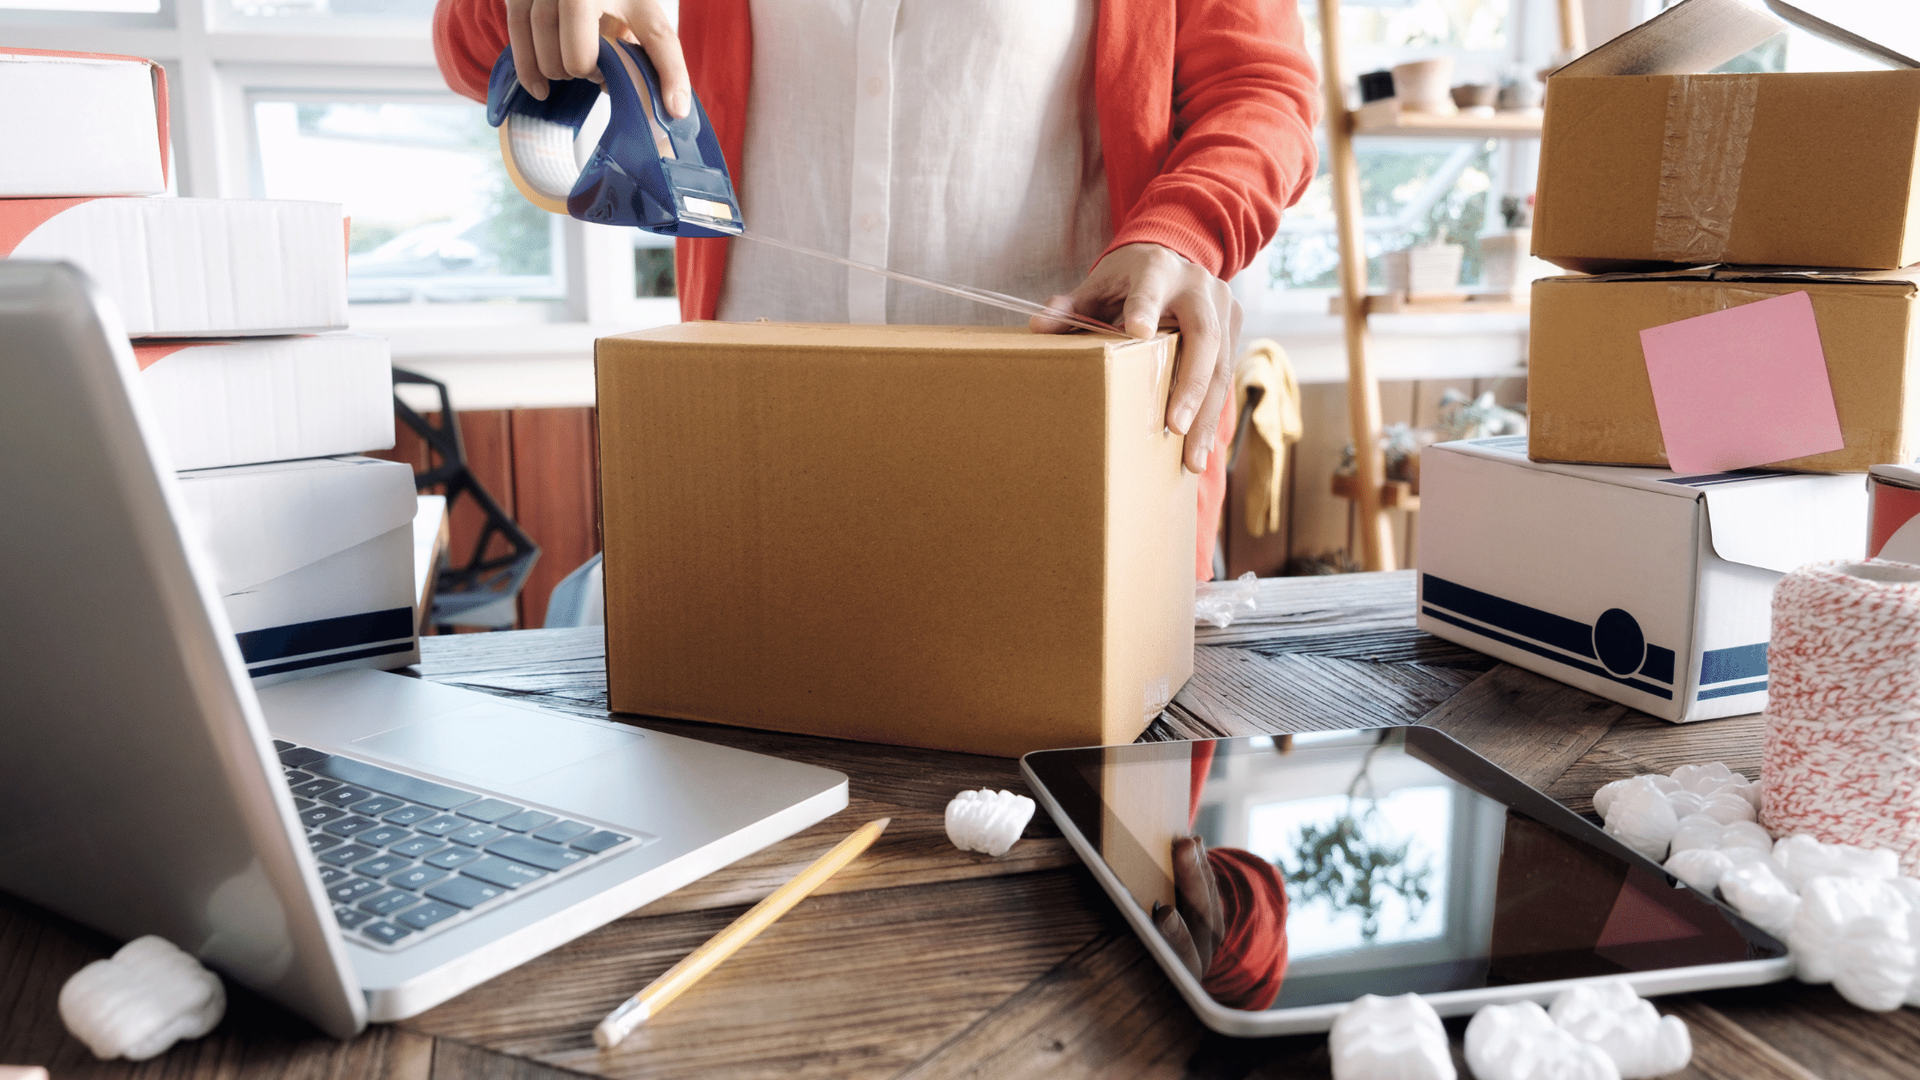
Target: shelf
pixel 1385 117
pixel 1393 493
pixel 1448 304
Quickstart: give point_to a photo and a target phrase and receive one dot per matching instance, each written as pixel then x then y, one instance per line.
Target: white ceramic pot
pixel 1425 85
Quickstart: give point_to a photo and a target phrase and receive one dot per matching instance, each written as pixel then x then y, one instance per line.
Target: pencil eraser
pixel 987 821
pixel 149 996
pixel 1390 1038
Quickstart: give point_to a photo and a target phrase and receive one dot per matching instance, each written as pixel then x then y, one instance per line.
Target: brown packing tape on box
pixel 1590 400
pixel 974 539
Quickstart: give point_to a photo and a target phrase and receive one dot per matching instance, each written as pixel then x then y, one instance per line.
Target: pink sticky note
pixel 1742 387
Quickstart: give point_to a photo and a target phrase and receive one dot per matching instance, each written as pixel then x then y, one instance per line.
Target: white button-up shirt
pixel 952 139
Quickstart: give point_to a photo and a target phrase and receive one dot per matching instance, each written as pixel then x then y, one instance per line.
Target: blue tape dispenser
pixel 648 170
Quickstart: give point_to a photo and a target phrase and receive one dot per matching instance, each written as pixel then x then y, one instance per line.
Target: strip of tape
pixel 1707 124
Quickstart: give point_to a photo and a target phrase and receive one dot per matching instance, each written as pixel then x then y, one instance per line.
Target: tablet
pixel 1375 861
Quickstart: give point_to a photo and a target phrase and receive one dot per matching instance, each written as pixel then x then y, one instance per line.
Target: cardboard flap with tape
pixel 1646 161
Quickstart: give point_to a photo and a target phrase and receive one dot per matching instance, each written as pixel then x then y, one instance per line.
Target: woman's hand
pixel 560 39
pixel 1195 925
pixel 1133 287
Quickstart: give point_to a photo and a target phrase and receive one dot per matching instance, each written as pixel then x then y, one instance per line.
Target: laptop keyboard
pixel 403 858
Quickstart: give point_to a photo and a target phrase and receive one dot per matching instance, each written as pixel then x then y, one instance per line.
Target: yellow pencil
pixel 635 1010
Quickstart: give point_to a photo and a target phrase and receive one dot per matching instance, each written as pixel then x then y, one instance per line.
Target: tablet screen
pixel 1373 861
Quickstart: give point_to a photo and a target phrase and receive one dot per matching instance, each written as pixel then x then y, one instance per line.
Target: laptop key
pixel 313 789
pixel 349 918
pixel 417 878
pixel 382 836
pixel 416 847
pixel 331 874
pixel 407 815
pixel 318 844
pixel 465 892
pixel 599 842
pixel 346 795
pixel 451 857
pixel 410 788
pixel 426 915
pixel 378 805
pixel 387 933
pixel 295 776
pixel 320 815
pixel 388 902
pixel 348 826
pixel 563 831
pixel 526 821
pixel 536 852
pixel 352 889
pixel 476 835
pixel 347 853
pixel 280 745
pixel 503 872
pixel 489 810
pixel 382 865
pixel 303 804
pixel 441 825
pixel 299 757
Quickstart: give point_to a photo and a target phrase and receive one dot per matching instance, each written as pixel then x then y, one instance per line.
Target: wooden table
pixel 921 961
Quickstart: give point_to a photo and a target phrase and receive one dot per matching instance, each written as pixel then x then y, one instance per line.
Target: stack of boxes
pixel 1579 551
pixel 236 309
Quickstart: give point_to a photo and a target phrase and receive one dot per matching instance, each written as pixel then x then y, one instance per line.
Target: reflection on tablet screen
pixel 1313 868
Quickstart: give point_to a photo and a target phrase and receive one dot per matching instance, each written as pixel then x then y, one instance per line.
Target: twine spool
pixel 1842 753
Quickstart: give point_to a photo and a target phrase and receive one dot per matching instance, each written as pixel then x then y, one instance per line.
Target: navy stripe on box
pixel 330 658
pixel 1521 643
pixel 1541 626
pixel 1730 691
pixel 322 635
pixel 1739 662
pixel 1659 664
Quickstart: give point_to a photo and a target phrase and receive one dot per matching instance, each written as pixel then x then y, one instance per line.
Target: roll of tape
pixel 1842 754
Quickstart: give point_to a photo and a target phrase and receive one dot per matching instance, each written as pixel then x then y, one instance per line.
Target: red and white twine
pixel 1842 753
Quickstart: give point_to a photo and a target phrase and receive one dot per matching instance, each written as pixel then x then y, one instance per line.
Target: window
pixel 341 101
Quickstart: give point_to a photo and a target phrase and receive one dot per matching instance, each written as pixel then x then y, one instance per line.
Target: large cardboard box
pixel 973 539
pixel 1651 589
pixel 1589 398
pixel 314 561
pixel 248 400
pixel 196 267
pixel 1642 160
pixel 81 124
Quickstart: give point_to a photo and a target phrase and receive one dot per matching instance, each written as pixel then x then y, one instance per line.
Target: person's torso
pixel 953 139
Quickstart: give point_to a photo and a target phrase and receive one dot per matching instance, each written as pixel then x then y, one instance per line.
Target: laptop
pixel 358 846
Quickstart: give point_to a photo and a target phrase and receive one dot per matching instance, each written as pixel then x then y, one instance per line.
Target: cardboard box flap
pixel 1781 523
pixel 1906 278
pixel 262 521
pixel 1699 35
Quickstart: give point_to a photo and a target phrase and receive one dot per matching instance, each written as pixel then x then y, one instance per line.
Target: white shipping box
pixel 196 267
pixel 314 561
pixel 249 400
pixel 81 124
pixel 1640 585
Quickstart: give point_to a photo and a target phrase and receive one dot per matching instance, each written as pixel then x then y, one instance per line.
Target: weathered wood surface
pixel 922 962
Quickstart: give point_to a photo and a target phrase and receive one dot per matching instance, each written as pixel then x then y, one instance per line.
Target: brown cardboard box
pixel 1798 169
pixel 1589 398
pixel 973 539
pixel 1643 161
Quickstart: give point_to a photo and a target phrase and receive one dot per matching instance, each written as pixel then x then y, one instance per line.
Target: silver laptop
pixel 357 846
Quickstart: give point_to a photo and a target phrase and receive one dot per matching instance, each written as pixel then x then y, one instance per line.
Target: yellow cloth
pixel 1274 424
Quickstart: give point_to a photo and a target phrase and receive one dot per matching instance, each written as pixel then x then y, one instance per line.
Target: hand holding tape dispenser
pixel 649 170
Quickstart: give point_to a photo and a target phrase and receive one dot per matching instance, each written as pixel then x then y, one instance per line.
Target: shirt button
pixel 875 86
pixel 869 220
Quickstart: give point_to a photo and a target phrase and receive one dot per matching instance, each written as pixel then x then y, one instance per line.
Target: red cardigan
pixel 1206 115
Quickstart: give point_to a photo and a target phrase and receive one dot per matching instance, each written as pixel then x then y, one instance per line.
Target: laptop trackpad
pixel 494 744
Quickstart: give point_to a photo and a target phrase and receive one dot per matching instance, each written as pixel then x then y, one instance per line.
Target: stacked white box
pixel 119 149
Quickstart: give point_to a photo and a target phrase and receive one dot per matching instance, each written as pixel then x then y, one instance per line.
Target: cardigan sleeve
pixel 468 36
pixel 1245 101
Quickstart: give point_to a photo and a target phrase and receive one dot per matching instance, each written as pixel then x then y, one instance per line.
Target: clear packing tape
pixel 1708 121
